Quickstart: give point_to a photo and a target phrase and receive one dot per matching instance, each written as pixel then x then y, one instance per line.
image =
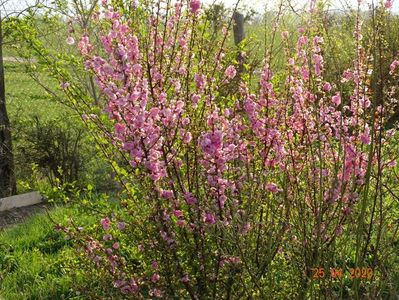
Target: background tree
pixel 8 187
pixel 7 177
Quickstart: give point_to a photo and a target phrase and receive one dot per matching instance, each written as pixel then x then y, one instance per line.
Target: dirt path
pixel 17 215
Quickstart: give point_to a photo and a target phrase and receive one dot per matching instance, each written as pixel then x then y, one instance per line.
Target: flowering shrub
pixel 225 182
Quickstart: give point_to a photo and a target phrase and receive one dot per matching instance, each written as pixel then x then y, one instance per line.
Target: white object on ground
pixel 20 201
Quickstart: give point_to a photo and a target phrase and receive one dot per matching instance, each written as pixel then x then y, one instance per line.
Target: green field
pixel 34 259
pixel 26 98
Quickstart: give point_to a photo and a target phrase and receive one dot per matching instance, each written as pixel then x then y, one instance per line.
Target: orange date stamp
pixel 337 273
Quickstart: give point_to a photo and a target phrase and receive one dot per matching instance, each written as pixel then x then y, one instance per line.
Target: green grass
pixel 28 106
pixel 26 98
pixel 34 259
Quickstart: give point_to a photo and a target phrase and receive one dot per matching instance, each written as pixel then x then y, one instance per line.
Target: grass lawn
pixel 34 259
pixel 25 98
pixel 32 113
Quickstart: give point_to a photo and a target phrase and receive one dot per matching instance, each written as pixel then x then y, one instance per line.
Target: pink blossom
pixel 305 73
pixel 318 40
pixel 339 230
pixel 105 223
pixel 182 42
pixel 190 199
pixel 336 99
pixel 115 246
pixel 185 278
pixel 272 187
pixel 312 5
pixel 167 194
pixel 347 75
pixel 107 237
pixel 85 46
pixel 157 293
pixel 154 265
pixel 393 66
pixel 230 72
pixel 121 225
pixel 234 260
pixel 346 210
pixel 212 142
pixel 327 87
pixel 318 63
pixel 70 40
pixel 119 283
pixel 365 136
pixel 199 81
pixel 130 287
pixel 64 85
pixel 246 228
pixel 187 137
pixel 285 34
pixel 155 277
pixel 178 213
pixel 180 223
pixel 195 98
pixel 120 128
pixel 195 6
pixel 209 218
pixel 108 14
pixel 388 4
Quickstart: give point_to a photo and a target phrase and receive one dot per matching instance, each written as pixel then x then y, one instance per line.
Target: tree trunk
pixel 239 36
pixel 238 27
pixel 7 176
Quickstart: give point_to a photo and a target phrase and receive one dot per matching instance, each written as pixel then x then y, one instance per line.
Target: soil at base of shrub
pixel 17 215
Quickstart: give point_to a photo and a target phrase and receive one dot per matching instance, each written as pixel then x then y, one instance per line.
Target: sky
pixel 335 4
pixel 258 5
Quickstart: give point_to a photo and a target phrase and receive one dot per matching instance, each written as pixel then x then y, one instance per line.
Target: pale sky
pixel 256 4
pixel 335 4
